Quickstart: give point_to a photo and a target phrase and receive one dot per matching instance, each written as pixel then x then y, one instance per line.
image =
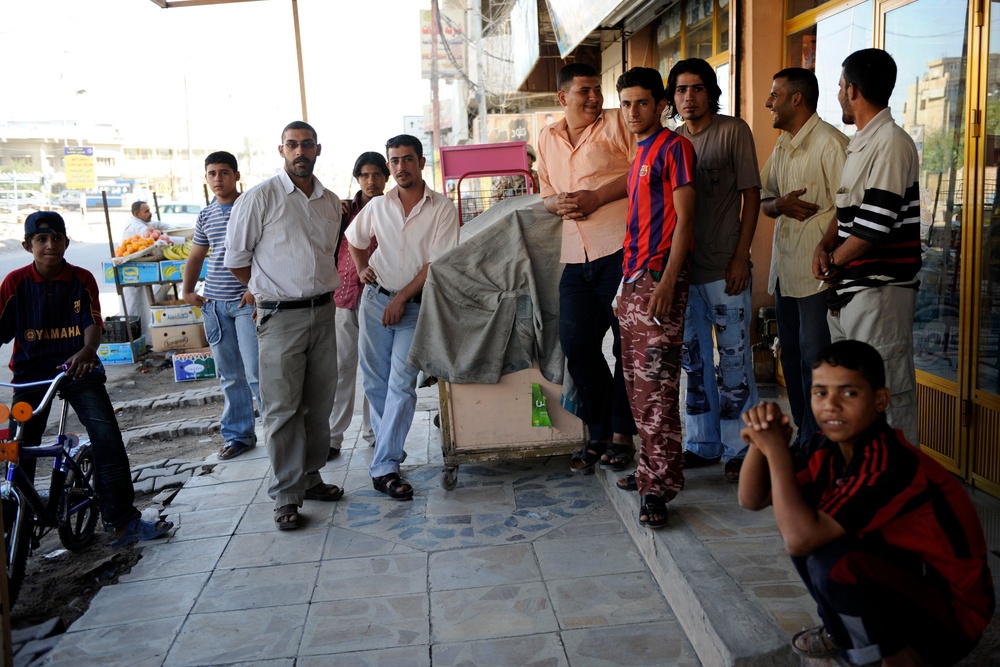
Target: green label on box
pixel 539 412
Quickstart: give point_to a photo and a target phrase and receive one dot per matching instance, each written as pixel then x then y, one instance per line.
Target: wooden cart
pixel 490 422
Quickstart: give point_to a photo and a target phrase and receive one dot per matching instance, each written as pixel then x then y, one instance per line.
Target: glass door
pixel 929 41
pixel 985 399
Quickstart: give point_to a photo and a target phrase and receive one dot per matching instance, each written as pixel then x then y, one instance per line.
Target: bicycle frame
pixel 61 451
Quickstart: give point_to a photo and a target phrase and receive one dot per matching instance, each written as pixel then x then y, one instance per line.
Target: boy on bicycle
pixel 52 312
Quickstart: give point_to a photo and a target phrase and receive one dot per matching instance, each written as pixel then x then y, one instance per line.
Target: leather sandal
pixel 617 456
pixel 627 483
pixel 286 517
pixel 393 486
pixel 583 461
pixel 653 505
pixel 324 492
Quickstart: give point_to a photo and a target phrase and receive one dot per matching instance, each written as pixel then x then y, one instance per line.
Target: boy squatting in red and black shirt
pixel 885 539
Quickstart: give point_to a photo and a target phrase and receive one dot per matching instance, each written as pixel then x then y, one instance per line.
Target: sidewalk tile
pixel 342 626
pixel 491 612
pixel 372 576
pixel 486 566
pixel 256 588
pixel 540 649
pixel 228 637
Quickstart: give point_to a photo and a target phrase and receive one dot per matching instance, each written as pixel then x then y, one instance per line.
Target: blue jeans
pixel 803 332
pixel 717 396
pixel 586 293
pixel 112 478
pixel 390 383
pixel 232 333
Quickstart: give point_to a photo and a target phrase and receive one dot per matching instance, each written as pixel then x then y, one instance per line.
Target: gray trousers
pixel 347 375
pixel 298 378
pixel 883 318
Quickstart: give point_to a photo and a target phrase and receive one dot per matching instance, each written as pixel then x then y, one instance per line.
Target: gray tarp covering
pixel 490 306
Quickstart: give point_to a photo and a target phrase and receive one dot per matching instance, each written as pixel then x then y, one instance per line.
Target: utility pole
pixel 435 102
pixel 477 39
pixel 298 57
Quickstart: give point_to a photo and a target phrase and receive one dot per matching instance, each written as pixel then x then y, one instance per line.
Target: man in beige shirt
pixel 584 160
pixel 800 182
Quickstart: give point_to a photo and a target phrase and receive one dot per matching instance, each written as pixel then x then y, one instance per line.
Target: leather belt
pixel 389 294
pixel 315 301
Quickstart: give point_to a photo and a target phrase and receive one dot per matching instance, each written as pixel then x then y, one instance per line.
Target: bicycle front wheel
pixel 17 523
pixel 78 508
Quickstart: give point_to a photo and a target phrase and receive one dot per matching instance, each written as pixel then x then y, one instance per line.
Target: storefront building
pixel 947 97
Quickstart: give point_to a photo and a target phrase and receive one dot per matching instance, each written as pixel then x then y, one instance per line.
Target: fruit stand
pixel 143 263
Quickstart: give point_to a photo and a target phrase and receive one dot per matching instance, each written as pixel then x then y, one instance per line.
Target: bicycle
pixel 70 505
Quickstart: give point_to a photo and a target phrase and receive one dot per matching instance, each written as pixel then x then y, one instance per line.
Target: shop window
pixel 692 29
pixel 795 7
pixel 822 47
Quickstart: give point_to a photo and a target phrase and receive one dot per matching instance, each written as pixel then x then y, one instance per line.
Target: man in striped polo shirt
pixel 870 255
pixel 654 291
pixel 227 308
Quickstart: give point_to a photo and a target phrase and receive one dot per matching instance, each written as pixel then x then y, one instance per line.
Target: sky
pixel 221 74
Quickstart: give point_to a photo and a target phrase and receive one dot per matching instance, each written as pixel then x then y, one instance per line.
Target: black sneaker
pixel 692 460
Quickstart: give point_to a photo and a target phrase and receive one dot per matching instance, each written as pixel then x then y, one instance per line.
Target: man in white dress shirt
pixel 281 243
pixel 414 226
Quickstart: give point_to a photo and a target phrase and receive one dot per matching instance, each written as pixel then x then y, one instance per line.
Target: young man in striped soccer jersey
pixel 654 290
pixel 885 539
pixel 870 254
pixel 227 308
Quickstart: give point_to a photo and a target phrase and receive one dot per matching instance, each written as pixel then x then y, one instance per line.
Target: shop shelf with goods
pixel 131 266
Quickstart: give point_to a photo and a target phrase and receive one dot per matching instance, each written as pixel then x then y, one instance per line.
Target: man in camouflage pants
pixel 655 288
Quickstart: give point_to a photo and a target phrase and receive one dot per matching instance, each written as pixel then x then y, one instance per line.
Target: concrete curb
pixel 723 625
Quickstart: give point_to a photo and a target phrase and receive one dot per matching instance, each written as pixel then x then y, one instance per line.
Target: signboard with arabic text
pixel 80 170
pixel 450 31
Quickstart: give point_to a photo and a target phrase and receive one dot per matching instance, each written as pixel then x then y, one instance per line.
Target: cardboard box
pixel 173 313
pixel 173 269
pixel 194 365
pixel 132 272
pixel 112 354
pixel 181 337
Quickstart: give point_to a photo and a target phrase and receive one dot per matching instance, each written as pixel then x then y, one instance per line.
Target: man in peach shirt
pixel 583 165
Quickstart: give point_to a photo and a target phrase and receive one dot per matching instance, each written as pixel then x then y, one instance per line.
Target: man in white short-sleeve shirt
pixel 414 226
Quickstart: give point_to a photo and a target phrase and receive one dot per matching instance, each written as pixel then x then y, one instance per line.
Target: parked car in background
pixel 70 199
pixel 23 198
pixel 180 215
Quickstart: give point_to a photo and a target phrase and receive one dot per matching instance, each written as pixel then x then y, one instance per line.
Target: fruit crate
pixel 116 331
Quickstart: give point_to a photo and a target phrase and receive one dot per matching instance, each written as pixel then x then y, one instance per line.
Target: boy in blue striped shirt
pixel 227 308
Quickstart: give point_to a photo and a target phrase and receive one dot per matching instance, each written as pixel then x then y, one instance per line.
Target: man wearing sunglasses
pixel 282 243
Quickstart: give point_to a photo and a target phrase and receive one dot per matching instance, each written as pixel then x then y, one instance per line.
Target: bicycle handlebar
pixel 47 398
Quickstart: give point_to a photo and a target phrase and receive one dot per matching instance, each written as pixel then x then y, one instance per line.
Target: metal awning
pixel 574 20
